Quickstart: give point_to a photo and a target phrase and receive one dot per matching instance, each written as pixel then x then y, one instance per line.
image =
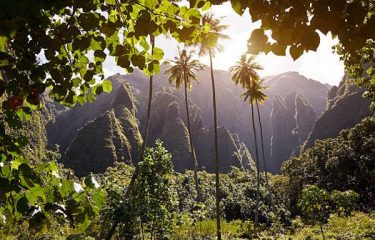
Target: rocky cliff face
pixel 63 128
pixel 98 145
pixel 346 107
pixel 314 92
pixel 167 123
pixel 305 118
pixel 93 136
pixel 292 120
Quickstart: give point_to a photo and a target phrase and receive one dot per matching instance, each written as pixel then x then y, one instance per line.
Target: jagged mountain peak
pixel 173 110
pixel 314 91
pixel 97 145
pixel 123 96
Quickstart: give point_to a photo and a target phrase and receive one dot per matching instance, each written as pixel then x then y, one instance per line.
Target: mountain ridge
pixel 168 120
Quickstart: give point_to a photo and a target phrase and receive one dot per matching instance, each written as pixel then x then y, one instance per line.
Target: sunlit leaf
pixel 107 86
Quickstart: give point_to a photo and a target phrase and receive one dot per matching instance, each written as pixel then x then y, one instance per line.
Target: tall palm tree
pixel 254 94
pixel 261 101
pixel 183 70
pixel 209 45
pixel 245 74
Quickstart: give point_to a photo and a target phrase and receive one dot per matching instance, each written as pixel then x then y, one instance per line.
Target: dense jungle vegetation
pixel 52 53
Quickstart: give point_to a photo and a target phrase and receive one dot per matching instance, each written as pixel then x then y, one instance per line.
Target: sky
pixel 322 65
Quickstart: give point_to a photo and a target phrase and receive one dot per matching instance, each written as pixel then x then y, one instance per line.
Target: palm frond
pixel 216 28
pixel 183 68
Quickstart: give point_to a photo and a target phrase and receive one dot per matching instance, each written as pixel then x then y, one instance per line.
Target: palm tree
pixel 183 70
pixel 209 45
pixel 245 74
pixel 254 94
pixel 261 100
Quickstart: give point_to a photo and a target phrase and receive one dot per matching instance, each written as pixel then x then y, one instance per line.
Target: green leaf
pixel 258 41
pixel 370 70
pixel 66 187
pixel 99 89
pixel 111 2
pixel 158 54
pixel 107 86
pixel 139 61
pixel 186 33
pixel 108 28
pixel 310 40
pixel 15 164
pixel 194 3
pixel 123 61
pixel 99 56
pixel 83 221
pixel 206 6
pixel 151 3
pixel 3 157
pixel 76 82
pixel 3 42
pixel 95 45
pixel 278 49
pixel 238 6
pixel 99 198
pixel 89 75
pixel 35 194
pixel 22 205
pixel 5 185
pixel 6 171
pixel 295 52
pixel 4 59
pixel 24 116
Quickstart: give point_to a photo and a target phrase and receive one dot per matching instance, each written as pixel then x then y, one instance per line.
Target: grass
pixel 359 226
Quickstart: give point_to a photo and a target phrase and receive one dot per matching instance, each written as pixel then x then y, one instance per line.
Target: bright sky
pixel 322 65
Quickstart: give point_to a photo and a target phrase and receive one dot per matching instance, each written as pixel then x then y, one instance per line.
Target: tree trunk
pixel 142 232
pixel 143 146
pixel 193 156
pixel 262 142
pixel 258 174
pixel 152 230
pixel 321 230
pixel 217 166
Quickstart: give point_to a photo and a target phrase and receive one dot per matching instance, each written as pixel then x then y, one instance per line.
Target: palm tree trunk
pixel 217 166
pixel 262 142
pixel 143 146
pixel 258 174
pixel 193 156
